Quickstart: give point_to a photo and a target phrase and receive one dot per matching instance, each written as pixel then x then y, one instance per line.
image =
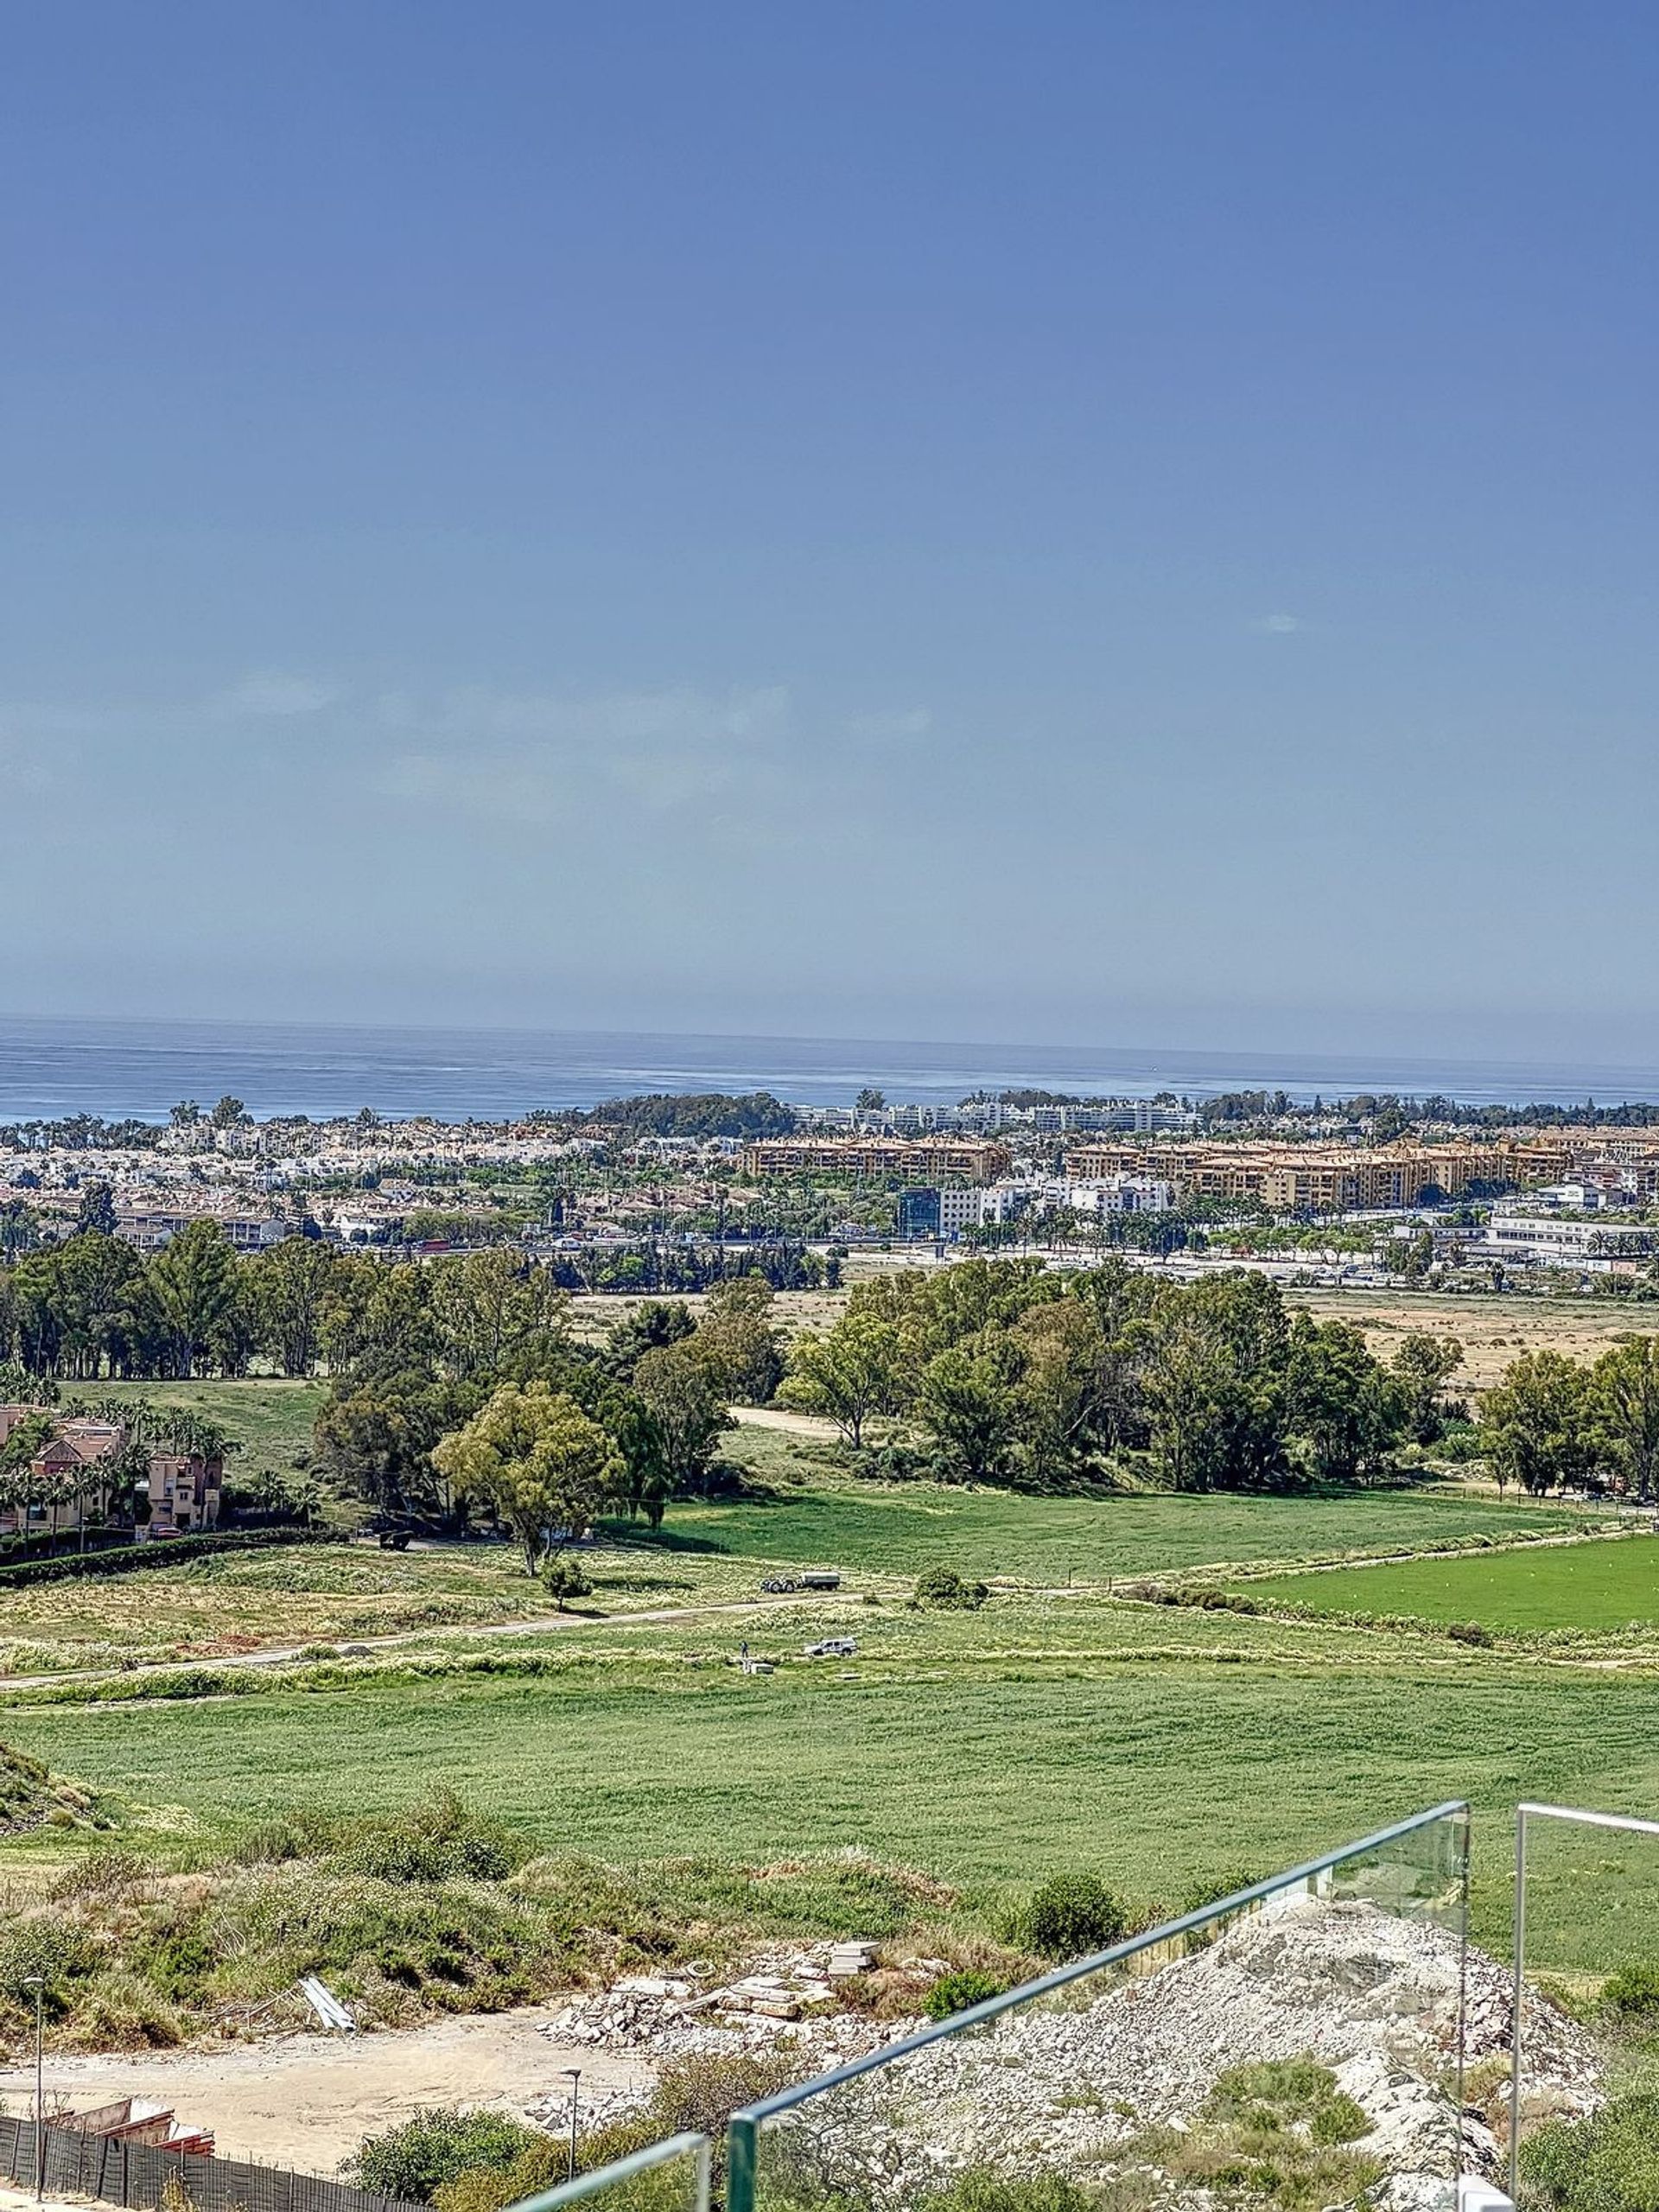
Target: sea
pixel 136 1069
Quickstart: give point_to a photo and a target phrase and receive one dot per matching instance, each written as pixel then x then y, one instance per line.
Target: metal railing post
pixel 1517 1995
pixel 739 2163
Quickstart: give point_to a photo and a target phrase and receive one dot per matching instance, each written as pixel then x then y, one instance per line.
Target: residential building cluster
pixel 961 1159
pixel 996 1116
pixel 78 1478
pixel 945 1211
pixel 1339 1179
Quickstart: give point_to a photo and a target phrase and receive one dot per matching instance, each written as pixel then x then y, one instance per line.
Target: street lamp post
pixel 575 2075
pixel 37 1983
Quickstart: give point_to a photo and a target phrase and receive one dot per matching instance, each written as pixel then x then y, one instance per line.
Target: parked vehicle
pixel 833 1647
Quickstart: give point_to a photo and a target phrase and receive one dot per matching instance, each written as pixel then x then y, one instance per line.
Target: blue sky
pixel 1085 524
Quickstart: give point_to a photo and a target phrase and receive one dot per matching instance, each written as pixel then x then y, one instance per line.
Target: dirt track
pixel 306 2101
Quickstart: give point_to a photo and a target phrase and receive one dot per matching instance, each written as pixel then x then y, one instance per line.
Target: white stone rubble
pixel 1068 2083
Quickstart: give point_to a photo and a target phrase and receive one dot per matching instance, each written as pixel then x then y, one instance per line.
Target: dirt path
pixel 306 2101
pixel 541 1624
pixel 792 1424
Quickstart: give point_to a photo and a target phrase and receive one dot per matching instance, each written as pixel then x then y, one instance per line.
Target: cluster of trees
pixel 461 1387
pixel 1555 1423
pixel 691 1114
pixel 1014 1375
pixel 1162 1233
pixel 78 1132
pixel 92 1307
pixel 1389 1114
pixel 659 1265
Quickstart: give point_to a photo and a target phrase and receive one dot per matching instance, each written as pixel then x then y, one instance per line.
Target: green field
pixel 1158 1774
pixel 1593 1587
pixel 832 1520
pixel 1057 1726
pixel 270 1420
pixel 210 1606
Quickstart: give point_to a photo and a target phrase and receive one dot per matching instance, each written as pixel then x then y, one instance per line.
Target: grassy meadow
pixel 1062 1725
pixel 1237 1747
pixel 817 1514
pixel 271 1418
pixel 1599 1587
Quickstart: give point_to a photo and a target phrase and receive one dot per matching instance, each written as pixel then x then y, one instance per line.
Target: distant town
pixel 672 1193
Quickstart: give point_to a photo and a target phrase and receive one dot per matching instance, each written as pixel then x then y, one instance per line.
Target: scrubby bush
pixel 116 2010
pixel 563 1578
pixel 1632 1994
pixel 437 1841
pixel 112 1876
pixel 942 1587
pixel 981 2190
pixel 1214 1887
pixel 696 2093
pixel 1070 1915
pixel 436 2146
pixel 44 1944
pixel 1609 2163
pixel 955 1992
pixel 1469 1632
pixel 538 2166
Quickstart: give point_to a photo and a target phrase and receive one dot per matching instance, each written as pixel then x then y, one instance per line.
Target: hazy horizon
pixel 53 1068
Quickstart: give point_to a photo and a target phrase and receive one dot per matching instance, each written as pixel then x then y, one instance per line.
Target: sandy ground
pixel 23 2200
pixel 1492 1330
pixel 306 2101
pixel 792 1424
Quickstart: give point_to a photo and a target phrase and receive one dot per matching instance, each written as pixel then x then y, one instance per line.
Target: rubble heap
pixel 787 1999
pixel 1070 2082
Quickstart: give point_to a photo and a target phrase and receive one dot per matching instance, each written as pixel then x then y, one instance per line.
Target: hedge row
pixel 19 1551
pixel 162 1551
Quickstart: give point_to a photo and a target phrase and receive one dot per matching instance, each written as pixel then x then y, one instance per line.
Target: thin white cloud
pixel 498 791
pixel 890 727
pixel 529 756
pixel 1277 625
pixel 272 691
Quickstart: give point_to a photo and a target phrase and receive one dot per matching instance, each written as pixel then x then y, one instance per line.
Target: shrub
pixel 955 1992
pixel 490 2189
pixel 1070 1915
pixel 1632 1994
pixel 1215 1887
pixel 1609 2163
pixel 111 1876
pixel 980 2189
pixel 40 1943
pixel 117 2011
pixel 437 1841
pixel 943 1587
pixel 435 2147
pixel 697 2093
pixel 563 1578
pixel 1469 1632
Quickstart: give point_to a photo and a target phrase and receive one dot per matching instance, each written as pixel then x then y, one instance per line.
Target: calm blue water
pixel 118 1069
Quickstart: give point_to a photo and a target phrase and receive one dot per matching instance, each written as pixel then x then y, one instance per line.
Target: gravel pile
pixel 1068 2084
pixel 786 2001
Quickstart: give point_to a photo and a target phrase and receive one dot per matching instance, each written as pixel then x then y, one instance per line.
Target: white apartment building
pixel 1120 1194
pixel 1550 1239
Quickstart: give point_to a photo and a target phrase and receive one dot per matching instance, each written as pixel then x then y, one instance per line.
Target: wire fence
pixel 136 2175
